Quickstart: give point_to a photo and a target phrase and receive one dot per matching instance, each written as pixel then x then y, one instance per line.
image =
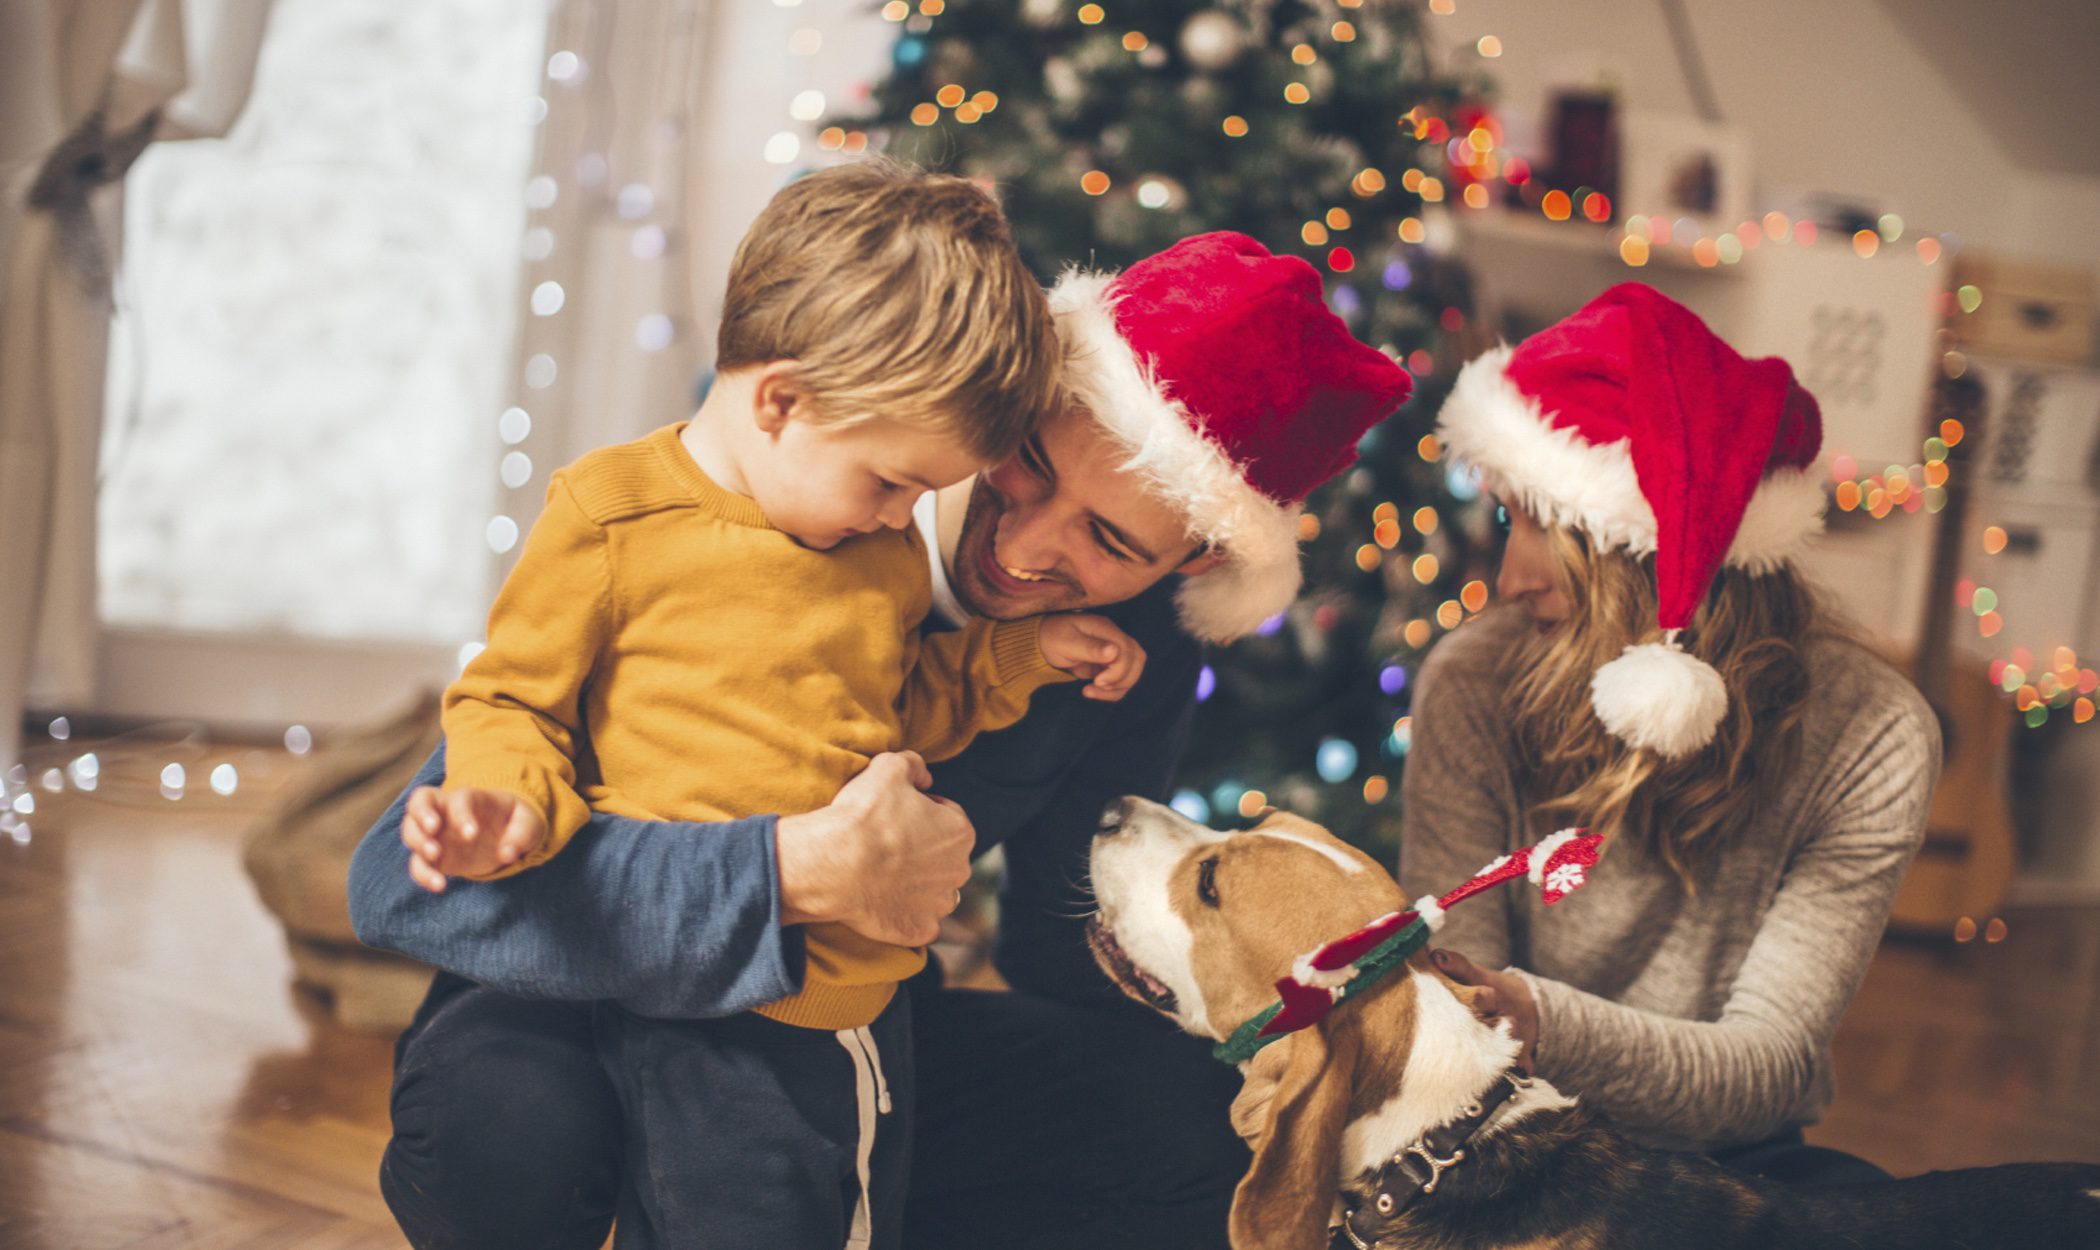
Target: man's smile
pixel 1010 580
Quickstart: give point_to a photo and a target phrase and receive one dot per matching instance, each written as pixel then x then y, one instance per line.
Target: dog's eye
pixel 1207 881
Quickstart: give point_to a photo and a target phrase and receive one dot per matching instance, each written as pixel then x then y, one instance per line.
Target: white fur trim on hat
pixel 1329 979
pixel 1660 698
pixel 1256 536
pixel 1563 479
pixel 1431 912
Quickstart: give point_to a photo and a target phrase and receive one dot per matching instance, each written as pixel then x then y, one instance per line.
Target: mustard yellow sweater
pixel 661 652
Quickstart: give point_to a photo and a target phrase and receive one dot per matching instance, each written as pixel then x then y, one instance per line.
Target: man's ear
pixel 775 396
pixel 1203 561
pixel 1296 1116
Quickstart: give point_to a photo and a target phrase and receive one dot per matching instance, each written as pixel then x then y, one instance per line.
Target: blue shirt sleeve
pixel 671 919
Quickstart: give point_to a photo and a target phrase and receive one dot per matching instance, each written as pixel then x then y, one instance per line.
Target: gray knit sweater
pixel 1692 1022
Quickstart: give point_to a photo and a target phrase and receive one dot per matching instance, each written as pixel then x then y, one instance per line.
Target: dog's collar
pixel 1248 1039
pixel 1345 967
pixel 1419 1167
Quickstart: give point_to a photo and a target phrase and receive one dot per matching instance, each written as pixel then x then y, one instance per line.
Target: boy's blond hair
pixel 899 294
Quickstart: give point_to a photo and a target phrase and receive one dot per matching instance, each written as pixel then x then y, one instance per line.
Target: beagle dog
pixel 1399 1120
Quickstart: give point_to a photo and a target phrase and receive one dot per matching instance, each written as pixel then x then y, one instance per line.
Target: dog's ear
pixel 1292 1112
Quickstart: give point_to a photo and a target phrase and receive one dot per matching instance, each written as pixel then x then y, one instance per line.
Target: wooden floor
pixel 162 1086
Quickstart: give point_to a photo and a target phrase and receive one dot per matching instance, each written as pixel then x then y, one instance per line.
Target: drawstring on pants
pixel 872 1095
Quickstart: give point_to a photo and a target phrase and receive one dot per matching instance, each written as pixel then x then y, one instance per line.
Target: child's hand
pixel 1092 647
pixel 465 833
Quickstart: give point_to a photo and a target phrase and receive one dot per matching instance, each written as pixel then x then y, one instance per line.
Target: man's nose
pixel 1028 539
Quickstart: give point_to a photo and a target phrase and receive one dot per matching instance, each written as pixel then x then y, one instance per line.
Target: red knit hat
pixel 1632 422
pixel 1236 391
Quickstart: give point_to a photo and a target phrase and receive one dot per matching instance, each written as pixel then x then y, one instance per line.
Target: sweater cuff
pixel 1560 1009
pixel 1017 653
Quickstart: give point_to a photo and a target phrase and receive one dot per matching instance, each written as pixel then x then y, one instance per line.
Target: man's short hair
pixel 899 294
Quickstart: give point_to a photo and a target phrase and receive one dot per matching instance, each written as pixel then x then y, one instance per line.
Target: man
pixel 1214 390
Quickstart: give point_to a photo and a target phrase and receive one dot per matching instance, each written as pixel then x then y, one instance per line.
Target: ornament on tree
pixel 1213 41
pixel 1157 191
pixel 1204 95
pixel 1061 80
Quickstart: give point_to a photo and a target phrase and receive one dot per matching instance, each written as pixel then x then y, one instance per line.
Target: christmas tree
pixel 1325 131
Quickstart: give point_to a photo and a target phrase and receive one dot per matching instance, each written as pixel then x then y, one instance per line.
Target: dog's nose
pixel 1113 816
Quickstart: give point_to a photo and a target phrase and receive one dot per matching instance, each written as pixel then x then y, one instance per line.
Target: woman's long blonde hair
pixel 1750 629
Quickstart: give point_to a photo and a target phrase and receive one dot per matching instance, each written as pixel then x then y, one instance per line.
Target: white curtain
pixel 84 86
pixel 669 126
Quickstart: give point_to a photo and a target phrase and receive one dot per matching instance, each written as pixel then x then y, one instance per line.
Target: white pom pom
pixel 1660 698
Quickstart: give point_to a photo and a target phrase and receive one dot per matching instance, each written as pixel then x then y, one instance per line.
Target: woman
pixel 1662 673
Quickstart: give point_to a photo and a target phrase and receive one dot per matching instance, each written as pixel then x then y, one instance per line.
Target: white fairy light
pixel 541 191
pixel 225 780
pixel 653 333
pixel 807 106
pixel 61 729
pixel 540 371
pixel 547 298
pixel 635 200
pixel 564 66
pixel 298 740
pixel 513 426
pixel 515 469
pixel 647 242
pixel 782 148
pixel 502 534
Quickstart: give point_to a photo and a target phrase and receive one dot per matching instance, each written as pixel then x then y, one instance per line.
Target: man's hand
pixel 884 859
pixel 466 833
pixel 1092 647
pixel 1503 994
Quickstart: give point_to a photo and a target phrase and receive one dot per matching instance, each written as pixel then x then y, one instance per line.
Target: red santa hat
pixel 1634 423
pixel 1235 391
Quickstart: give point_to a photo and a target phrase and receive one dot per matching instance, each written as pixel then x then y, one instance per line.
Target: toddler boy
pixel 722 620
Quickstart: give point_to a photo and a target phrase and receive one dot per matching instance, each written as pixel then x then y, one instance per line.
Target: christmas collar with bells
pixel 1345 967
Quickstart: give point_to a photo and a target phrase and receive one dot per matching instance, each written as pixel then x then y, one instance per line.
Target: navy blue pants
pixel 748 1132
pixel 1038 1126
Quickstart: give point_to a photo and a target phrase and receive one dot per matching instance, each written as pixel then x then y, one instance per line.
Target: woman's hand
pixel 1503 994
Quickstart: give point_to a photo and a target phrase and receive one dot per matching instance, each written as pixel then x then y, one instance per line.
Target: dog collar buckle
pixel 1436 1171
pixel 1417 1170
